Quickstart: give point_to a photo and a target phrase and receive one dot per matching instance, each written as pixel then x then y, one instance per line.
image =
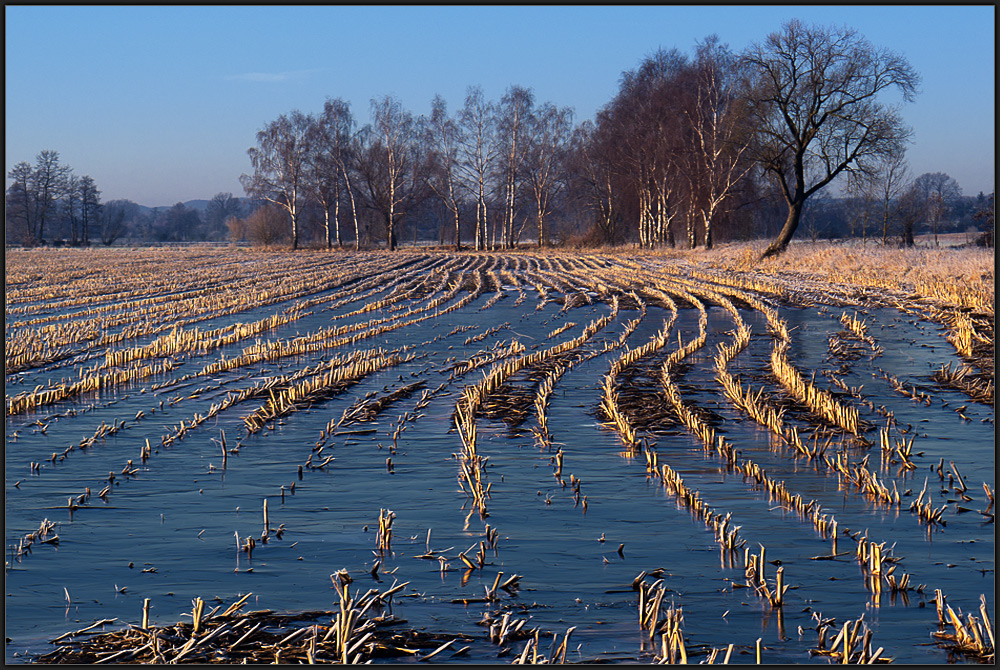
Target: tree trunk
pixel 885 225
pixel 542 237
pixel 326 226
pixel 336 215
pixel 908 234
pixel 787 231
pixel 354 210
pixel 692 229
pixel 295 228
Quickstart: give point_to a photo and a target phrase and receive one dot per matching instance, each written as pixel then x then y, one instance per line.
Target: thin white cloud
pixel 272 77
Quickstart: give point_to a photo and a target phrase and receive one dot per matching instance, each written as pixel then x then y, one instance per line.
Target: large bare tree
pixel 19 208
pixel 34 197
pixel 280 166
pixel 49 186
pixel 817 111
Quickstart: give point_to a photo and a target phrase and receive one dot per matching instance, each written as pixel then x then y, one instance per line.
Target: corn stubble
pixel 123 337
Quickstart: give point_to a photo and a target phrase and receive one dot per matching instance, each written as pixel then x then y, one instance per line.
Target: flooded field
pixel 637 458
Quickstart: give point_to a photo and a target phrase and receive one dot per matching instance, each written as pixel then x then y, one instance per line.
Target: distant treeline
pixel 692 149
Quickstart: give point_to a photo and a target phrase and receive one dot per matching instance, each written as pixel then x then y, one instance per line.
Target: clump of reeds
pixel 225 635
pixel 852 644
pixel 973 637
pixel 925 508
pixel 557 653
pixel 383 538
pixel 977 386
pixel 754 573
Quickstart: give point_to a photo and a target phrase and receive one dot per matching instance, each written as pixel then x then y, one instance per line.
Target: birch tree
pixel 547 136
pixel 893 174
pixel 513 115
pixel 477 121
pixel 719 137
pixel 280 166
pixel 644 119
pixel 443 143
pixel 390 163
pixel 333 155
pixel 324 181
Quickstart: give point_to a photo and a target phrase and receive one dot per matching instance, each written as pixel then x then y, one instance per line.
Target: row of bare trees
pixel 507 155
pixel 686 142
pixel 48 202
pixel 672 150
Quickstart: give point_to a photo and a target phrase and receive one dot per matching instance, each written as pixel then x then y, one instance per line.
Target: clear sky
pixel 160 104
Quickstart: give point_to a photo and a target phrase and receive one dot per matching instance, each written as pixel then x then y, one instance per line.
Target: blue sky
pixel 160 104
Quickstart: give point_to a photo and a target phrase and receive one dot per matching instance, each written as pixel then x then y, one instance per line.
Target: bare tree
pixel 179 223
pixel 477 121
pixel 547 139
pixel 279 162
pixel 19 209
pixel 71 208
pixel 816 109
pixel 909 209
pixel 236 229
pixel 591 167
pixel 323 181
pixel 114 217
pixel 892 175
pixel 47 185
pixel 719 133
pixel 389 163
pixel 860 202
pixel 513 114
pixel 221 208
pixel 644 122
pixel 330 164
pixel 90 207
pixel 264 227
pixel 986 218
pixel 938 192
pixel 443 142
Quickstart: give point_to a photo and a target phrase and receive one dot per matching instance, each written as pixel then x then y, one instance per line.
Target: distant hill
pixel 198 205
